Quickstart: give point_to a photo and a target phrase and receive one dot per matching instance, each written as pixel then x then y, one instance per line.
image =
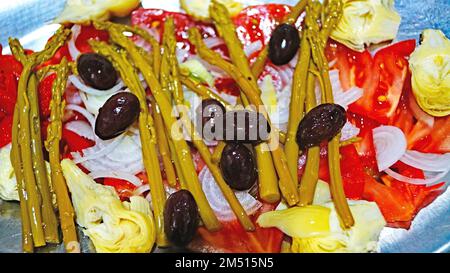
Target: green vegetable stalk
pixel 181 147
pixel 52 144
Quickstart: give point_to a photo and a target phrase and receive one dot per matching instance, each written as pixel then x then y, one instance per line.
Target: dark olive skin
pixel 284 44
pixel 181 218
pixel 322 123
pixel 117 114
pixel 238 166
pixel 246 126
pixel 210 110
pixel 96 71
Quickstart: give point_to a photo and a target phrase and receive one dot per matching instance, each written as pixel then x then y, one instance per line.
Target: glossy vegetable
pixel 366 22
pixel 284 44
pixel 238 167
pixel 117 114
pixel 181 218
pixel 246 127
pixel 322 123
pixel 316 229
pixel 96 71
pixel 83 11
pixel 209 113
pixel 181 148
pixel 8 183
pixel 199 8
pixel 108 223
pixel 430 68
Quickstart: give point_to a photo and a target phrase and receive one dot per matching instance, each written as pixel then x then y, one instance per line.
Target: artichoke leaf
pixel 111 225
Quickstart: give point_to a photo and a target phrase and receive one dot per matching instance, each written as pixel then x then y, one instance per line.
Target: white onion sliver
pixel 81 128
pixel 390 145
pixel 427 161
pixel 349 131
pixel 73 50
pixel 141 189
pixel 75 80
pixel 416 181
pixel 212 42
pixel 96 152
pixel 82 111
pixel 117 175
pixel 418 113
pixel 252 48
pixel 218 202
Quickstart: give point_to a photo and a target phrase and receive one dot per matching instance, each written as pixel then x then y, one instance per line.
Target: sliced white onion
pixel 142 189
pixel 390 145
pixel 92 91
pixel 127 151
pixel 416 181
pixel 102 164
pixel 73 95
pixel 349 131
pixel 81 128
pixel 253 48
pixel 218 202
pixel 342 97
pixel 418 113
pixel 97 151
pixel 82 111
pixel 427 161
pixel 73 50
pixel 212 42
pixel 117 175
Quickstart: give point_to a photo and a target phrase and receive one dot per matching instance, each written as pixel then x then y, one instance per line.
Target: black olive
pixel 238 166
pixel 245 126
pixel 212 111
pixel 322 123
pixel 181 218
pixel 96 71
pixel 117 114
pixel 284 44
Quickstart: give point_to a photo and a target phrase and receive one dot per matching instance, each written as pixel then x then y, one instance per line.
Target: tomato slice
pixel 10 70
pixel 398 201
pixel 89 32
pixel 5 130
pixel 45 95
pixel 123 188
pixel 352 170
pixel 155 18
pixel 382 77
pixel 255 23
pixel 232 238
pixel 75 142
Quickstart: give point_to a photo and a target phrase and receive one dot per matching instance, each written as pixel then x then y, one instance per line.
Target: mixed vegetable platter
pixel 224 128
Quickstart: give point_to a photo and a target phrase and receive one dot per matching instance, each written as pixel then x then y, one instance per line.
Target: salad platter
pixel 350 152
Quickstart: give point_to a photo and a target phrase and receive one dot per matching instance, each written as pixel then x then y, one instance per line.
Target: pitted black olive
pixel 238 166
pixel 117 114
pixel 322 123
pixel 245 126
pixel 284 44
pixel 181 218
pixel 96 71
pixel 212 111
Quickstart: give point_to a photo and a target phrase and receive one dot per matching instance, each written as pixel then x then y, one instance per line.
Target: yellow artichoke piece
pixel 366 22
pixel 430 68
pixel 82 11
pixel 199 9
pixel 8 183
pixel 316 229
pixel 112 226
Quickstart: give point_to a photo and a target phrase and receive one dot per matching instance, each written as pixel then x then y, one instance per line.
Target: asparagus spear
pixel 52 144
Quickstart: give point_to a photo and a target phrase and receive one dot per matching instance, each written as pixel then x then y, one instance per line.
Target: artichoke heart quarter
pixel 112 226
pixel 366 22
pixel 430 69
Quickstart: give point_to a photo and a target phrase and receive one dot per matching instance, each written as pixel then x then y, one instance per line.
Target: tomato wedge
pixel 10 70
pixel 123 188
pixel 232 238
pixel 256 23
pixel 382 77
pixel 5 130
